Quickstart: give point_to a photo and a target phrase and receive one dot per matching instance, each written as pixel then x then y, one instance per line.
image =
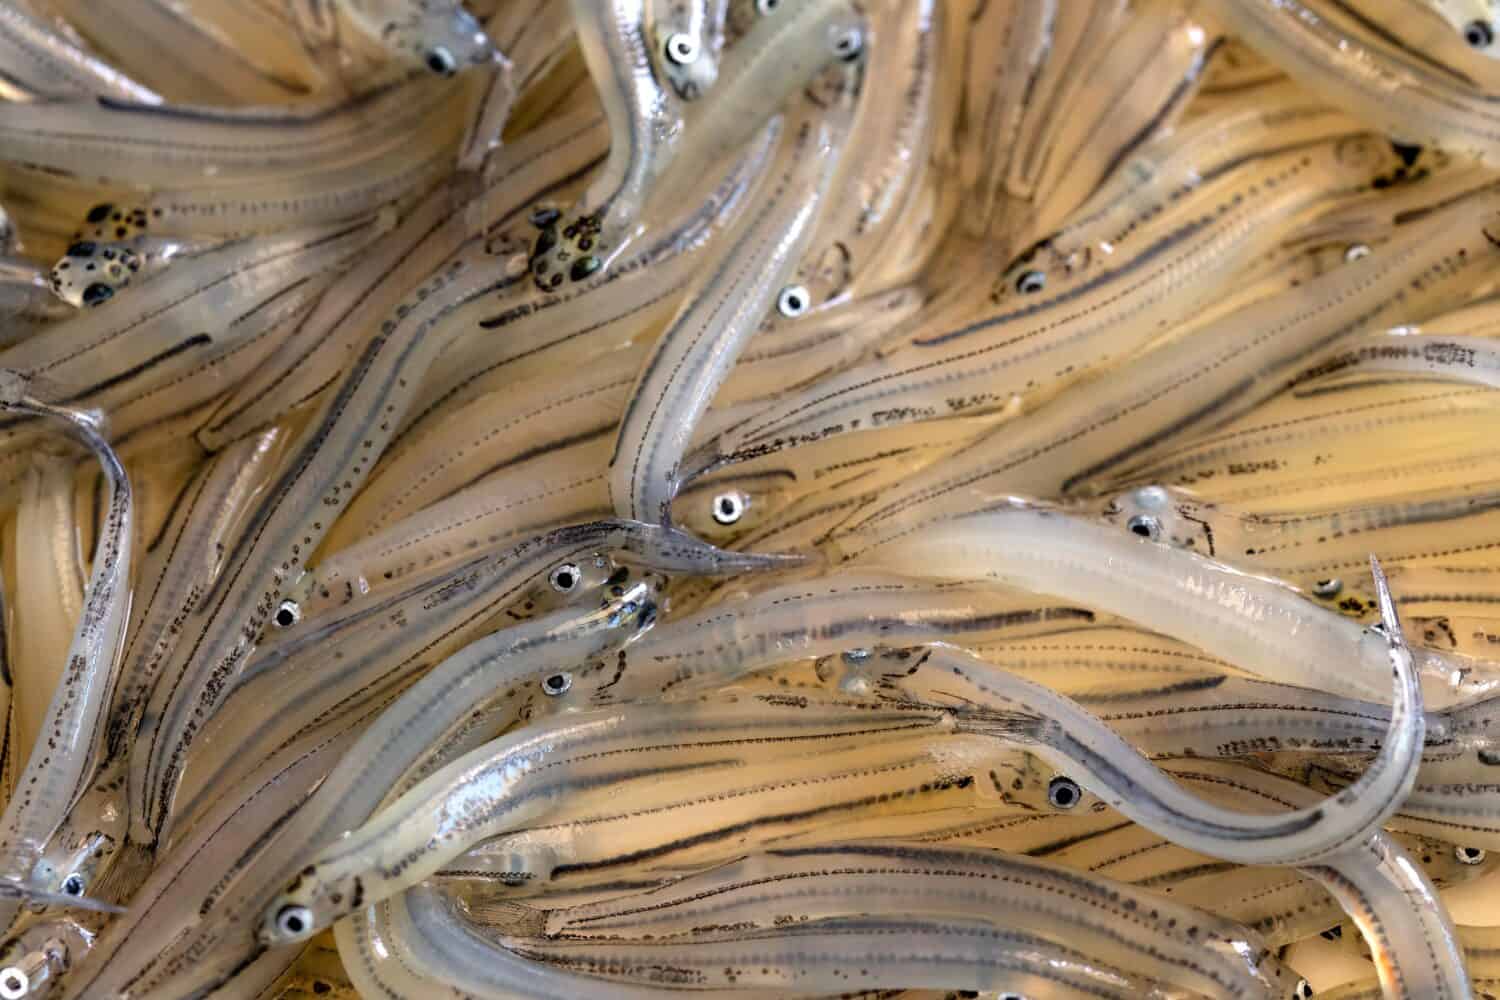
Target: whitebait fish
pixel 694 355
pixel 968 954
pixel 1208 604
pixel 818 884
pixel 565 757
pixel 750 498
pixel 73 726
pixel 595 844
pixel 153 145
pixel 177 568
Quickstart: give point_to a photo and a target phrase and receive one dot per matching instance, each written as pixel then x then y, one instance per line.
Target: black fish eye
pixel 441 61
pixel 293 920
pixel 792 301
pixel 1031 282
pixel 288 613
pixel 848 45
pixel 96 293
pixel 14 982
pixel 728 508
pixel 1479 34
pixel 1064 793
pixel 584 266
pixel 682 49
pixel 1145 526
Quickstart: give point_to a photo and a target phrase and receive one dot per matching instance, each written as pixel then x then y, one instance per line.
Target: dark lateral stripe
pixel 197 340
pixel 720 833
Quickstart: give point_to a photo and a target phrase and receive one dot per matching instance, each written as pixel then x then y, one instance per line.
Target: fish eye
pixel 564 578
pixel 1145 526
pixel 1303 990
pixel 793 301
pixel 1329 587
pixel 682 49
pixel 767 6
pixel 14 984
pixel 73 885
pixel 557 684
pixel 294 921
pixel 1355 251
pixel 584 266
pixel 288 613
pixel 97 293
pixel 847 45
pixel 729 507
pixel 1479 34
pixel 1469 855
pixel 1063 792
pixel 1031 282
pixel 441 61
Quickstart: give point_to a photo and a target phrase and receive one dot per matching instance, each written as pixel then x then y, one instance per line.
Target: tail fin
pixel 1019 727
pixel 1388 618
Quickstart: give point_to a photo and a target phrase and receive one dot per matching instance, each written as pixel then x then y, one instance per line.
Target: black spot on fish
pixel 1407 153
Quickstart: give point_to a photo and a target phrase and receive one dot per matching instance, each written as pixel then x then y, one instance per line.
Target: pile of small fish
pixel 762 498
